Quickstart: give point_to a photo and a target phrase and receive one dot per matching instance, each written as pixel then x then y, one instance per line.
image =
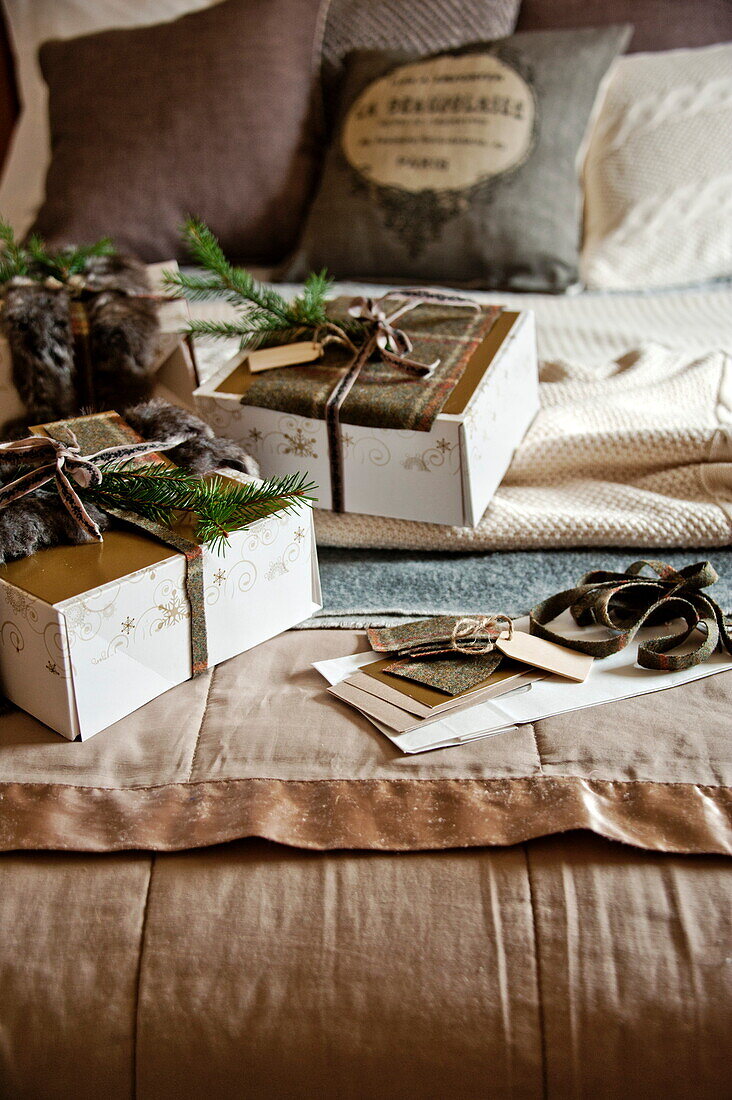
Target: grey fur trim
pixel 37 522
pixel 202 452
pixel 123 334
pixel 36 323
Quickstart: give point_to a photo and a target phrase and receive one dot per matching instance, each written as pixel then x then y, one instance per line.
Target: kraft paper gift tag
pixel 425 701
pixel 531 650
pixel 399 720
pixel 284 355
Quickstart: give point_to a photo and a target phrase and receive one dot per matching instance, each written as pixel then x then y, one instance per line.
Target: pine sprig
pixel 162 493
pixel 266 317
pixel 34 260
pixel 223 508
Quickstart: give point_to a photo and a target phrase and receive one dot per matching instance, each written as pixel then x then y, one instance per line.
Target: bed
pixel 243 890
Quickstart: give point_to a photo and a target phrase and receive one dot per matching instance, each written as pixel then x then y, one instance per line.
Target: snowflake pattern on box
pixel 297 443
pixel 174 611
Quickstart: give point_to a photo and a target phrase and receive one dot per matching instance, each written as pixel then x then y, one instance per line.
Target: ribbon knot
pixel 59 459
pixel 624 602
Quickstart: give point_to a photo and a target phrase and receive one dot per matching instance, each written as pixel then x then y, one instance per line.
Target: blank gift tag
pixel 286 355
pixel 531 650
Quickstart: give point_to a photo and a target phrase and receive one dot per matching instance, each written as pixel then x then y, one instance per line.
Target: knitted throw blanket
pixel 636 451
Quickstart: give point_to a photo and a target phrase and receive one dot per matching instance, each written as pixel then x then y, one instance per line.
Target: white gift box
pixel 174 367
pixel 445 475
pixel 90 633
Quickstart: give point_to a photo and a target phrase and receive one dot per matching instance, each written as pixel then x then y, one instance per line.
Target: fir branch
pixel 160 492
pixel 235 282
pixel 310 306
pixel 223 508
pixel 266 317
pixel 36 261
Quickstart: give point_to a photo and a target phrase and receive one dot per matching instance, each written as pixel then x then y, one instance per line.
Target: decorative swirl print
pixel 435 457
pixel 369 448
pixel 10 635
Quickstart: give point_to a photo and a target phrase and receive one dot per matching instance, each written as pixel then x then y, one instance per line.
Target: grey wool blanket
pixel 376 587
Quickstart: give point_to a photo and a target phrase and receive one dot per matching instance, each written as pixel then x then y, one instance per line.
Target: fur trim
pixel 202 452
pixel 37 522
pixel 123 334
pixel 38 328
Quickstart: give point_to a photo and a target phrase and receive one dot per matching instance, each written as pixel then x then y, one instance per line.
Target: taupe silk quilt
pixel 257 747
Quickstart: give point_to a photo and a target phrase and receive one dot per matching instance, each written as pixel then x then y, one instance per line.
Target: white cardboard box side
pixel 116 647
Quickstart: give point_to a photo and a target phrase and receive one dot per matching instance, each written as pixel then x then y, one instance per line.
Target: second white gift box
pixel 447 474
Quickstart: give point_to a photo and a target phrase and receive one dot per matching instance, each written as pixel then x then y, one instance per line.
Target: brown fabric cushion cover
pixel 659 24
pixel 209 114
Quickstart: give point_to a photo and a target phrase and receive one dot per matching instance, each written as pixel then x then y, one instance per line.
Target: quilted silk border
pixel 382 815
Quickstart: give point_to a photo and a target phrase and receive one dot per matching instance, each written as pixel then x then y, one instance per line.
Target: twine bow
pixel 624 602
pixel 479 635
pixel 60 460
pixel 395 349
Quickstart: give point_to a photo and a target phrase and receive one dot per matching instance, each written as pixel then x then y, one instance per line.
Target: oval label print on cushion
pixel 446 124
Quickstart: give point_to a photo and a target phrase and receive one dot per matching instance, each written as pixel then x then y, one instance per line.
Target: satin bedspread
pixel 257 747
pixel 563 966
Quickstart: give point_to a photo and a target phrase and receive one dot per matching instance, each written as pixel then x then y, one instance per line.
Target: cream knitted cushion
pixel 658 172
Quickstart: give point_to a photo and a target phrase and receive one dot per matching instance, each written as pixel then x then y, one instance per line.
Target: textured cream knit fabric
pixel 637 452
pixel 658 172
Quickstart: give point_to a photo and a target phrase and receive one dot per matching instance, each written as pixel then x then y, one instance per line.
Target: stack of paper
pixel 518 698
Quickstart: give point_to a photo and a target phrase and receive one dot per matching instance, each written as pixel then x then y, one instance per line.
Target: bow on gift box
pixel 624 602
pixel 60 460
pixel 394 347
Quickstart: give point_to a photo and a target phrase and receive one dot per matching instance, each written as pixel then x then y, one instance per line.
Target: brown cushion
pixel 208 114
pixel 659 24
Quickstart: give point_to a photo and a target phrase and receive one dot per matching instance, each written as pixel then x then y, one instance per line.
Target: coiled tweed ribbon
pixel 624 602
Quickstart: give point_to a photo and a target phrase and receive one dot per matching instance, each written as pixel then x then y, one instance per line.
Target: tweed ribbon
pixel 394 347
pixel 464 648
pixel 624 602
pixel 59 459
pixel 54 459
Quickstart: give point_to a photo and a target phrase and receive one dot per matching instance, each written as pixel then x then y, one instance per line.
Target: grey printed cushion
pixel 461 167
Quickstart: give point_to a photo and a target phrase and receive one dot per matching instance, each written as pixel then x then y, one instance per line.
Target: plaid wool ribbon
pixel 382 383
pixel 452 653
pixel 624 602
pixel 104 430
